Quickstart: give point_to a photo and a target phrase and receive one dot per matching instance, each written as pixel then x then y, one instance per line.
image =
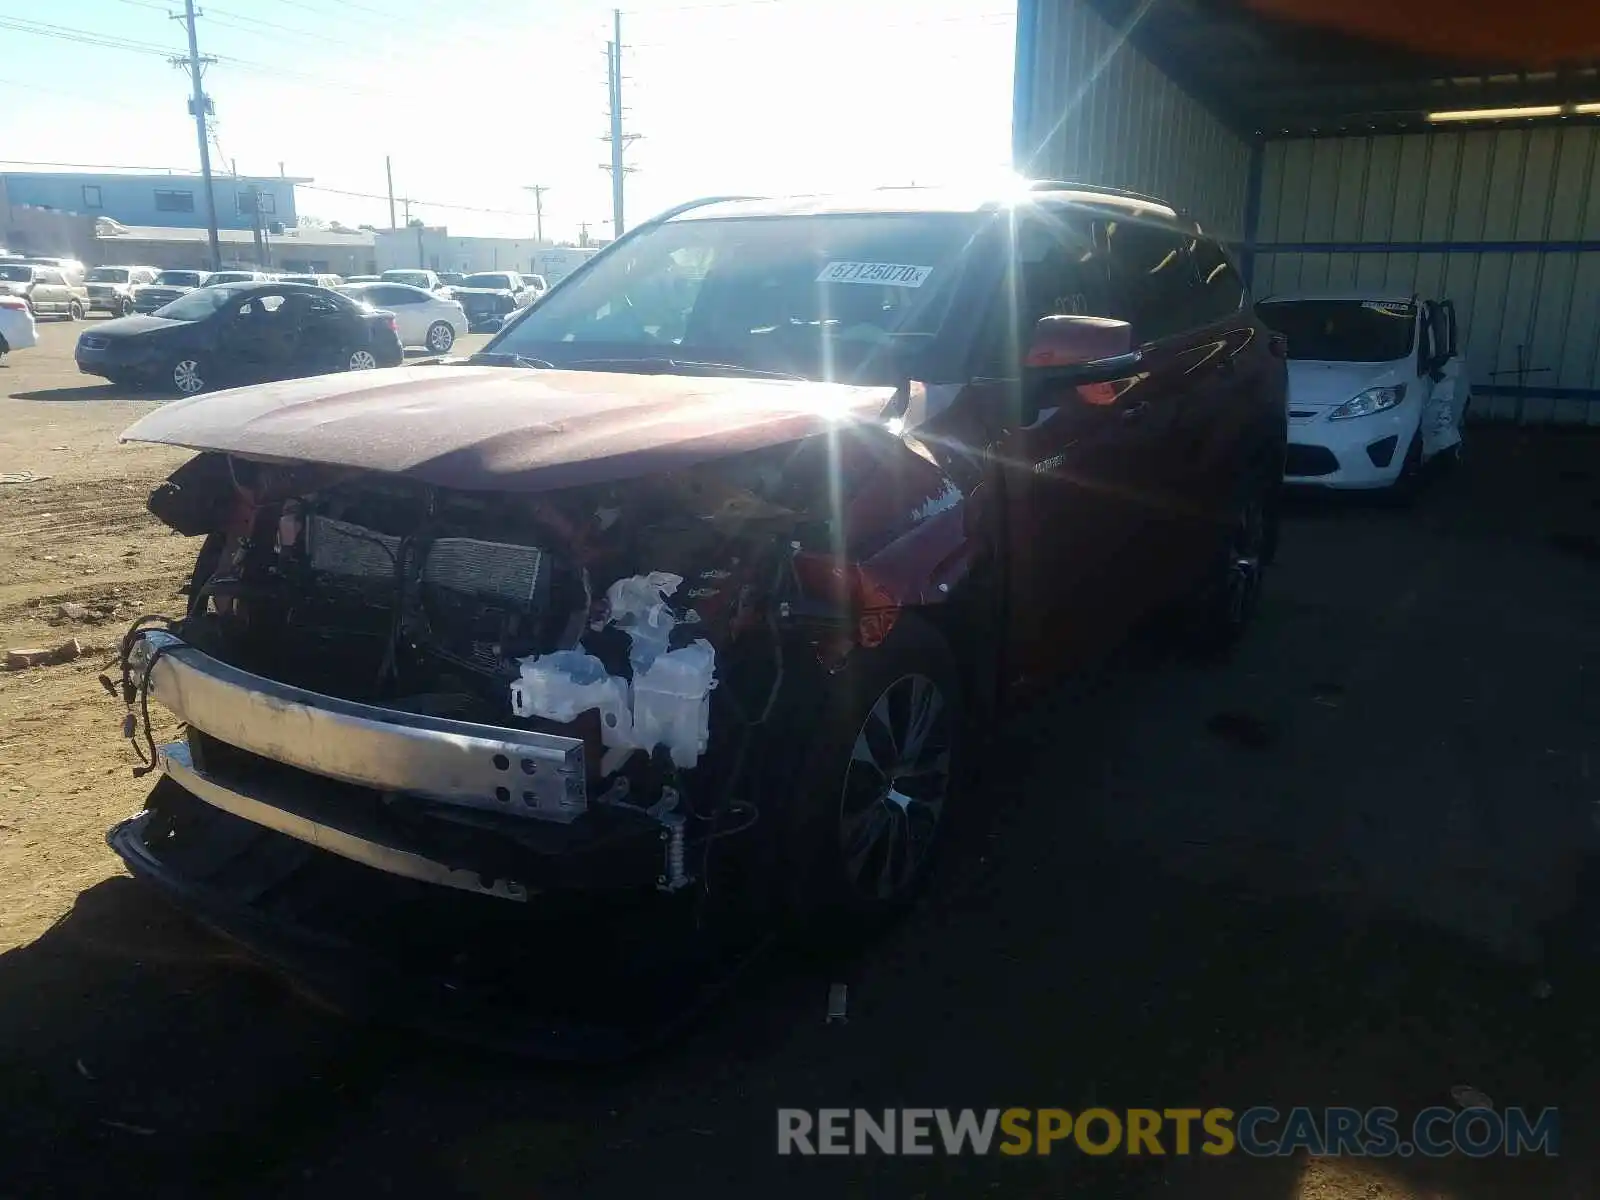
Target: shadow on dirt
pixel 103 391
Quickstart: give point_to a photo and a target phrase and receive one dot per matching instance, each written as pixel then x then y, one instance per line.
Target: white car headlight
pixel 1373 400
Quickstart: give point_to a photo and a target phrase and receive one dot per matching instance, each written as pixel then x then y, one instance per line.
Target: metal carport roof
pixel 1291 68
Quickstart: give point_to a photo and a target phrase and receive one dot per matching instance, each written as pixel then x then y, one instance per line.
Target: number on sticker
pixel 895 274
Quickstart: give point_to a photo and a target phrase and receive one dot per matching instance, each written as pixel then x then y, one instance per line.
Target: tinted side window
pixel 1221 288
pixel 1152 278
pixel 1059 271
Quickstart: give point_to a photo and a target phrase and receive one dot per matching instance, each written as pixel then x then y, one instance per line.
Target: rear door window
pixel 1220 290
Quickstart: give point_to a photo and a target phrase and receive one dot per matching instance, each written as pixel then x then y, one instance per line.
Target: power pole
pixel 388 170
pixel 199 105
pixel 619 140
pixel 538 190
pixel 255 226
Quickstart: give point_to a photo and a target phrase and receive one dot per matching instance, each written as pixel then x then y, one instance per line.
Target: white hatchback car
pixel 17 328
pixel 423 318
pixel 1377 386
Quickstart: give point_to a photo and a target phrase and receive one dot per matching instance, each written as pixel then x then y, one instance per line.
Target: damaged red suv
pixel 727 545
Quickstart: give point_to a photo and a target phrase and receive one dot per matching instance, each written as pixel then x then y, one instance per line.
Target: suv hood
pixel 1314 384
pixel 507 428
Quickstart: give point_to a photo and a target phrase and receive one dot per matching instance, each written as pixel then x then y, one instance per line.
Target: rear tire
pixel 75 311
pixel 440 338
pixel 865 812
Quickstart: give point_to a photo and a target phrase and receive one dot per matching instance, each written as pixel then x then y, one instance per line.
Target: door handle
pixel 1136 412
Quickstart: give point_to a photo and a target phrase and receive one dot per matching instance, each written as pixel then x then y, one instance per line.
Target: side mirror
pixel 1077 341
pixel 1084 353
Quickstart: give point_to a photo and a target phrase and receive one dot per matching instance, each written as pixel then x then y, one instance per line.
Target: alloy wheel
pixel 440 338
pixel 362 360
pixel 1246 542
pixel 895 787
pixel 186 377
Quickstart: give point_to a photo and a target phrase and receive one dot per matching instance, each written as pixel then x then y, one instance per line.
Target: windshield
pixel 488 281
pixel 179 278
pixel 196 305
pixel 1343 330
pixel 15 274
pixel 415 278
pixel 230 277
pixel 825 297
pixel 108 275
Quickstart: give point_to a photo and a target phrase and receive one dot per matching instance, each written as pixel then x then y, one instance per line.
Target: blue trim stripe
pixel 1589 247
pixel 1533 391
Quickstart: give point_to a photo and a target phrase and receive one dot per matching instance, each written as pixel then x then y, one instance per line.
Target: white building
pixel 432 247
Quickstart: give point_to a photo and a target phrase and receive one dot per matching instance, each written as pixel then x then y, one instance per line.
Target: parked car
pixel 165 288
pixel 1377 386
pixel 427 280
pixel 235 333
pixel 45 290
pixel 71 268
pixel 731 544
pixel 111 289
pixel 315 280
pixel 489 297
pixel 17 329
pixel 424 318
pixel 218 278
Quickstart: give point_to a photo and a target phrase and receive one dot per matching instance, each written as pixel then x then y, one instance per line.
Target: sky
pixel 478 99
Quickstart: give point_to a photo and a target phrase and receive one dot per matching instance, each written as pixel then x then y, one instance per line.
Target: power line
pixel 499 212
pixel 230 20
pixel 322 12
pixel 83 37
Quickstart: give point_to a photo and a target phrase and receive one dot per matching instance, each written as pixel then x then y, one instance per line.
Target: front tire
pixel 866 811
pixel 440 337
pixel 1403 491
pixel 75 311
pixel 1231 592
pixel 125 309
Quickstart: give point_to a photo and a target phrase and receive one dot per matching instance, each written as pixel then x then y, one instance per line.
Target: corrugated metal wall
pixel 1504 222
pixel 1091 108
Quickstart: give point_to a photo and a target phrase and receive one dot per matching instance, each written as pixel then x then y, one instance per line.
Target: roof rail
pixel 677 210
pixel 1064 185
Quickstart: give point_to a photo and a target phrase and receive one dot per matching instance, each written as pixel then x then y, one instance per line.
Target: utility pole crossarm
pixel 538 190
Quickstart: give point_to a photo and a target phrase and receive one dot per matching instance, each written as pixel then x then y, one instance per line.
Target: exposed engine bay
pixel 652 620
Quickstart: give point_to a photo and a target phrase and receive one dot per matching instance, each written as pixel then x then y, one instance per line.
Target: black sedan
pixel 240 333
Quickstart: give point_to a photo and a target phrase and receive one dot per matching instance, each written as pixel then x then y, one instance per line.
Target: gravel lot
pixel 1335 871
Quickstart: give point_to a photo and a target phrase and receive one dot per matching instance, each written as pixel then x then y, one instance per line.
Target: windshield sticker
pixel 1394 308
pixel 898 274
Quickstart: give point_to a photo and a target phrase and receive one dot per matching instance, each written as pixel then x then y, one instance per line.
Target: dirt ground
pixel 1347 868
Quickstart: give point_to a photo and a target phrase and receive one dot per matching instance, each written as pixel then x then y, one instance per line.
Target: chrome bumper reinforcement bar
pixel 516 772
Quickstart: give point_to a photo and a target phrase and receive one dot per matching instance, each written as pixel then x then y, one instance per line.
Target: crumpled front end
pixel 405 698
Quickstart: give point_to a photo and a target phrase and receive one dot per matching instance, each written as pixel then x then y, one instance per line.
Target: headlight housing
pixel 1373 400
